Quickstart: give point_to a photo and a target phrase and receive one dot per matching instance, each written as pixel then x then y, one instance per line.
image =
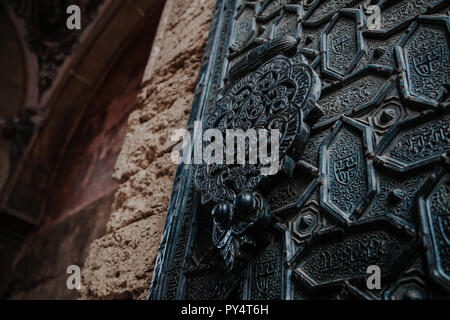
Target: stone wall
pixel 120 264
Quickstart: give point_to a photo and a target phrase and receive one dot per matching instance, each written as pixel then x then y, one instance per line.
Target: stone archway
pixel 60 194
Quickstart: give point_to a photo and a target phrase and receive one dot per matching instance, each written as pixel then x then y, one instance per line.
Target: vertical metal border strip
pixel 205 93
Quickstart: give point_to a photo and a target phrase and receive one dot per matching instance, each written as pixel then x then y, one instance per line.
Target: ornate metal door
pixel 365 139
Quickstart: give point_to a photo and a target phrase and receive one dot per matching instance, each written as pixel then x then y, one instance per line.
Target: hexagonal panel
pixel 424 58
pixel 334 258
pixel 342 43
pixel 415 142
pixel 265 275
pixel 388 114
pixel 434 204
pixel 348 175
pixel 245 26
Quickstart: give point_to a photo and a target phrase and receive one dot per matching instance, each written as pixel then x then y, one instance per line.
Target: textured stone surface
pixel 120 264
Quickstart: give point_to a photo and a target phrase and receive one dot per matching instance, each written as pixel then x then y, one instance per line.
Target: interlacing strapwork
pixel 364 150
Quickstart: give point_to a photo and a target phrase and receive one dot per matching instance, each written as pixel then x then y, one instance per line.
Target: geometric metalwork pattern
pixel 364 178
pixel 245 26
pixel 416 142
pixel 362 90
pixel 287 23
pixel 388 114
pixel 398 13
pixel 434 204
pixel 424 58
pixel 395 198
pixel 264 280
pixel 348 176
pixel 208 284
pixel 411 285
pixel 335 258
pixel 379 50
pixel 270 9
pixel 305 222
pixel 322 10
pixel 281 94
pixel 342 43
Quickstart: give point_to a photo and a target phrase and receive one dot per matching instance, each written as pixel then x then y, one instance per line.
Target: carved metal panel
pixel 334 257
pixel 416 142
pixel 342 43
pixel 348 177
pixel 434 207
pixel 424 58
pixel 364 149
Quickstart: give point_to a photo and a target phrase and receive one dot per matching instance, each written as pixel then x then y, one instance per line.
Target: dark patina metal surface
pixel 365 123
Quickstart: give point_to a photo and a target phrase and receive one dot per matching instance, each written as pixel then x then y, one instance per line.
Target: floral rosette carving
pixel 278 95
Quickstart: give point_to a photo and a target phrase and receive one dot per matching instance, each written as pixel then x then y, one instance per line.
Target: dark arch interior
pixel 79 196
